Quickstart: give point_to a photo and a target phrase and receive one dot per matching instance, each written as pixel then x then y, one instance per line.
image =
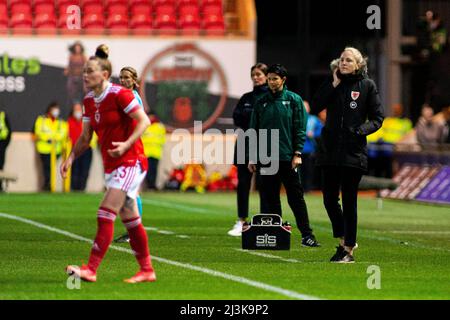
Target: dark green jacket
pixel 284 111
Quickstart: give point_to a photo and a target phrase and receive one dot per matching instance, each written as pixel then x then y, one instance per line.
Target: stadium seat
pixel 164 8
pixel 45 24
pixel 64 4
pixel 188 2
pixel 84 3
pixel 3 27
pixel 17 7
pixel 190 24
pixel 3 11
pixel 44 7
pixel 93 8
pixel 163 2
pixel 63 28
pixel 117 24
pixel 211 2
pixel 93 23
pixel 117 8
pixel 214 25
pixel 166 24
pixel 3 18
pixel 138 7
pixel 21 23
pixel 141 24
pixel 212 7
pixel 188 9
pixel 109 3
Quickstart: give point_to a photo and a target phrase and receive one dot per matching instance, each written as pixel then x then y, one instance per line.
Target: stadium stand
pixel 144 17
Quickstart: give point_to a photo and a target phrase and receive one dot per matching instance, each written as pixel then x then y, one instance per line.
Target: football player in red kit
pixel 119 121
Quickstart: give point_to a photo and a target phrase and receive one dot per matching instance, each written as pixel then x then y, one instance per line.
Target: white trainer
pixel 237 229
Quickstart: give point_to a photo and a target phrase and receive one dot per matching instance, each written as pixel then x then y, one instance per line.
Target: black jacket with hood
pixel 354 111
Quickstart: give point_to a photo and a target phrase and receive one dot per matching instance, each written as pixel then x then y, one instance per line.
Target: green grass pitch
pixel 194 257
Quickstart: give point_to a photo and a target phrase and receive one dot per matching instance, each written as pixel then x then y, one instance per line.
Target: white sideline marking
pixel 166 232
pixel 266 255
pixel 176 206
pixel 412 232
pixel 242 280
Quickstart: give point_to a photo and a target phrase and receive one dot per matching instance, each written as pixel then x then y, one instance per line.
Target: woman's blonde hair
pixel 101 56
pixel 361 61
pixel 134 75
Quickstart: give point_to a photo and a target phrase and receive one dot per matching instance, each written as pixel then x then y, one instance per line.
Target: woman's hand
pixel 119 150
pixel 251 167
pixel 66 165
pixel 336 80
pixel 296 162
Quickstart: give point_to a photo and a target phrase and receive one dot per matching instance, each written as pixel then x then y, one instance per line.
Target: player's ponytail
pixel 102 51
pixel 101 56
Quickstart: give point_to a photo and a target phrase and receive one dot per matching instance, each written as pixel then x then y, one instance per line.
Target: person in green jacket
pixel 282 113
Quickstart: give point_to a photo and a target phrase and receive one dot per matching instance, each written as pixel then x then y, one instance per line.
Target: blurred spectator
pixel 431 35
pixel 194 178
pixel 74 73
pixel 381 143
pixel 50 132
pixel 428 129
pixel 446 115
pixel 81 166
pixel 5 138
pixel 153 139
pixel 313 131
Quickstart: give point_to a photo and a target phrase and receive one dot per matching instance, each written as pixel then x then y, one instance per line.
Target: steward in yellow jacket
pixel 49 132
pixel 153 140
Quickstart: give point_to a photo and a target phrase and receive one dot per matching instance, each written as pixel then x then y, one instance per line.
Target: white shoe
pixel 237 229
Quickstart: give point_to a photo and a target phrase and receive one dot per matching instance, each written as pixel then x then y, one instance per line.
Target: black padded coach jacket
pixel 354 111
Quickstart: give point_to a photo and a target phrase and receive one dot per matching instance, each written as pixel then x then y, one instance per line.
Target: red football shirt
pixel 109 117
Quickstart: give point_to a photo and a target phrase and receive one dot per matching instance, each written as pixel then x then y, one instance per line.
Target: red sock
pixel 104 237
pixel 139 243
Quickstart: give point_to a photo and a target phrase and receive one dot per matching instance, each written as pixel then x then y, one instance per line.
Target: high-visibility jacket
pixel 153 140
pixel 394 129
pixel 4 129
pixel 48 131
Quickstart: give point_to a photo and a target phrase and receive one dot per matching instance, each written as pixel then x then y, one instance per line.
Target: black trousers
pixel 290 178
pixel 307 171
pixel 343 219
pixel 243 191
pixel 80 171
pixel 2 155
pixel 45 160
pixel 152 172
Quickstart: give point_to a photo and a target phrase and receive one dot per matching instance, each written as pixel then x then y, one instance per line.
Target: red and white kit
pixel 109 117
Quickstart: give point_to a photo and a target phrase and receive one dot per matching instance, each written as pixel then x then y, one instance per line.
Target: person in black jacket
pixel 354 111
pixel 241 116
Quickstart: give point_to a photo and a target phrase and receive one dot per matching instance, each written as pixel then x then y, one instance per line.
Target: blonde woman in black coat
pixel 354 111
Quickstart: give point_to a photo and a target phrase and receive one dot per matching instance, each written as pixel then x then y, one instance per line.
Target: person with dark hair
pixel 5 138
pixel 354 111
pixel 81 166
pixel 280 110
pixel 50 134
pixel 114 114
pixel 241 116
pixel 74 73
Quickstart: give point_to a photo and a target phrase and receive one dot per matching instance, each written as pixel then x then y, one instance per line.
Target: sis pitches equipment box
pixel 266 232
